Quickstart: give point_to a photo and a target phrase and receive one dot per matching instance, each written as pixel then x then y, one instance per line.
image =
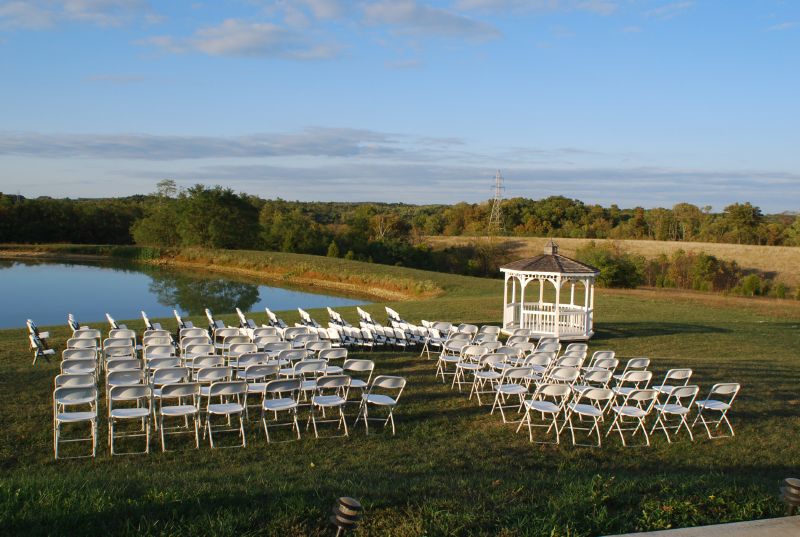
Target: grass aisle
pixel 452 469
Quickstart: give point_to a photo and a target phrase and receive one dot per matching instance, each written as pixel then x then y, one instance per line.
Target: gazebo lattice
pixel 567 321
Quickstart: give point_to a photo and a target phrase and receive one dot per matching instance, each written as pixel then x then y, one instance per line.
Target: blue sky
pixel 634 102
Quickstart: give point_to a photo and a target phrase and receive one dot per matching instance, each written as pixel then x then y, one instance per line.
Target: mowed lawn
pixel 452 469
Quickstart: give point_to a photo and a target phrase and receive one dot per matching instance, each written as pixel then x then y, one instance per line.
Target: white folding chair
pixel 331 393
pixel 591 405
pixel 679 404
pixel 358 366
pixel 230 393
pixel 384 392
pixel 280 396
pixel 187 397
pixel 548 400
pixel 726 392
pixel 636 406
pixel 70 407
pixel 486 374
pixel 470 363
pixel 673 378
pixel 513 382
pixel 118 412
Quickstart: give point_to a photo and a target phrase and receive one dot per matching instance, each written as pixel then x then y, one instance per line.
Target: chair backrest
pixel 640 379
pixel 548 346
pixel 81 343
pixel 123 364
pixel 156 332
pixel 195 340
pixel 644 399
pixel 221 333
pixel 277 346
pixel 261 371
pixel 388 383
pixel 158 351
pixel 281 386
pixel 78 365
pixel 154 364
pixel 558 392
pixel 566 375
pixel 542 359
pixel 119 352
pixel 725 389
pixel 333 382
pixel 87 333
pixel 521 332
pixel 75 395
pixel 79 353
pixel 265 331
pixel 315 346
pixel 237 349
pixel 193 332
pixel 525 346
pixel 181 389
pixel 290 333
pixel 598 377
pixel 677 375
pixel 489 329
pixel 227 387
pixel 512 340
pixel 332 354
pixel 117 342
pixel 599 355
pixel 358 365
pixel 120 333
pixel 251 358
pixel 637 364
pixel 75 380
pixel 516 374
pixel 606 363
pixel 680 394
pixel 170 375
pixel 580 347
pixel 509 351
pixel 125 377
pixel 208 360
pixel 292 355
pixel 569 361
pixel 310 367
pixel 198 349
pixel 156 340
pixel 596 394
pixel 209 375
pixel 473 352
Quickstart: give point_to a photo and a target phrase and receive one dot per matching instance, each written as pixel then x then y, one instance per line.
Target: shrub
pixel 617 269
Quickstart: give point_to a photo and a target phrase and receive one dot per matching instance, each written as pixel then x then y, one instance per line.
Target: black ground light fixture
pixel 346 513
pixel 790 494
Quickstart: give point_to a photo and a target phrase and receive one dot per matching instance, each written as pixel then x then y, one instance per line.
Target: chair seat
pixel 712 404
pixel 333 370
pixel 225 408
pixel 307 385
pixel 630 411
pixel 284 403
pixel 205 390
pixel 488 375
pixel 512 389
pixel 585 410
pixel 548 407
pixel 130 413
pixel 286 372
pixel 451 359
pixel 622 390
pixel 379 399
pixel 75 400
pixel 80 370
pixel 72 417
pixel 179 410
pixel 665 389
pixel 672 409
pixel 327 400
pixel 358 384
pixel 469 366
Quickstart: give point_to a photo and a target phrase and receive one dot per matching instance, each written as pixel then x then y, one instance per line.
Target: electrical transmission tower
pixel 496 217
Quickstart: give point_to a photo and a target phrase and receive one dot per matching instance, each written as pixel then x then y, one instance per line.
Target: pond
pixel 46 291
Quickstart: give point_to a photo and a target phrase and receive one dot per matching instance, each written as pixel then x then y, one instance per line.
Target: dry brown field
pixel 779 262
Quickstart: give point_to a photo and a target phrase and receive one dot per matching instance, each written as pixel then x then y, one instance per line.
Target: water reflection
pixel 192 295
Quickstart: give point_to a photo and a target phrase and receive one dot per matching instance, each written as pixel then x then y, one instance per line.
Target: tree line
pixel 389 233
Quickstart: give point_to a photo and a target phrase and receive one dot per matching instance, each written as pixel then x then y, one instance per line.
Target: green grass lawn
pixel 452 469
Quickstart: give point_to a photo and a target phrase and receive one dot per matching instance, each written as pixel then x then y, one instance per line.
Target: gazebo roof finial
pixel 550 248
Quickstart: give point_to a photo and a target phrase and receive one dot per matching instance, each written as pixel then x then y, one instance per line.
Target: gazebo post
pixel 505 298
pixel 558 307
pixel 522 284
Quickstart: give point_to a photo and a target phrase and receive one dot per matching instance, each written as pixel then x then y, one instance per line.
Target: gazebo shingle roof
pixel 551 261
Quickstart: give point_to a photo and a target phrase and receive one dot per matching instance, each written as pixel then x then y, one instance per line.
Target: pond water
pixel 47 291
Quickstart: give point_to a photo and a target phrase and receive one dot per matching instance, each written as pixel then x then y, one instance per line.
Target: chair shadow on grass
pixel 643 329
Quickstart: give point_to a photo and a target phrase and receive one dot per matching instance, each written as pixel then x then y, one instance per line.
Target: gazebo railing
pixel 541 318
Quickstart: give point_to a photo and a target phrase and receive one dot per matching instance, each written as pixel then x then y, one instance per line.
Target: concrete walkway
pixel 771 527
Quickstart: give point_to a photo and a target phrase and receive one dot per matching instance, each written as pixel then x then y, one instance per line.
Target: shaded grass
pixel 452 469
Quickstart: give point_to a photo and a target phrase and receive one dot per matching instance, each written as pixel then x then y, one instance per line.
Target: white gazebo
pixel 525 306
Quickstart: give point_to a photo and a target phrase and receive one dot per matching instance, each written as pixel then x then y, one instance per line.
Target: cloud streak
pixel 411 17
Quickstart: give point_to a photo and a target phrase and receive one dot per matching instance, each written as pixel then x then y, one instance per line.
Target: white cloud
pixel 782 26
pixel 602 7
pixel 40 14
pixel 411 17
pixel 669 11
pixel 234 37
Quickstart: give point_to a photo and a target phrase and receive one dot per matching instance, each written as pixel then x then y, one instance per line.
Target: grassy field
pixel 778 262
pixel 452 469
